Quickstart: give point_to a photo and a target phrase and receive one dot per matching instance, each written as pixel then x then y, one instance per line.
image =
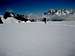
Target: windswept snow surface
pixel 38 39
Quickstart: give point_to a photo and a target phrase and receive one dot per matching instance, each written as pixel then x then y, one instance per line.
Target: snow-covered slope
pixel 38 39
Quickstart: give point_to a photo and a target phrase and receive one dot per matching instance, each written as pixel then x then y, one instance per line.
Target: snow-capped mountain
pixel 50 15
pixel 59 12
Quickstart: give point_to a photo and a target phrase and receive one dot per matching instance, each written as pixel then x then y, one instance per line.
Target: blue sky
pixel 34 6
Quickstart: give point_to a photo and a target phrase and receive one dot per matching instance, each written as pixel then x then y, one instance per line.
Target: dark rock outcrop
pixel 1 21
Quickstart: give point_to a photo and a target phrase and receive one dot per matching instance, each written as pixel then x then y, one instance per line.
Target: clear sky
pixel 34 6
